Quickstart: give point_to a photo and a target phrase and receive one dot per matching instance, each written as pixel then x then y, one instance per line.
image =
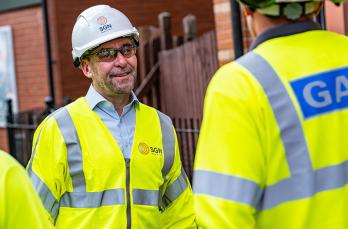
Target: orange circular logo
pixel 102 20
pixel 143 148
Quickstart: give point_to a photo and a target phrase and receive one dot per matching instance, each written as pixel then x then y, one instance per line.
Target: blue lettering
pixel 323 92
pixel 105 28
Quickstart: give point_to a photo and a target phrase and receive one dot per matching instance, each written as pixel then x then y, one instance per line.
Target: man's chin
pixel 122 91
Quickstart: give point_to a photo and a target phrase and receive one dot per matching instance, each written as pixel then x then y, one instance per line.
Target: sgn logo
pixel 102 20
pixel 321 93
pixel 145 149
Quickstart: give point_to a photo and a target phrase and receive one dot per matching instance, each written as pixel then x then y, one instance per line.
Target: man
pixel 272 149
pixel 107 160
pixel 20 206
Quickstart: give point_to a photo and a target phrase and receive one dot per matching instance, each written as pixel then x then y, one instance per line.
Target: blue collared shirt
pixel 121 127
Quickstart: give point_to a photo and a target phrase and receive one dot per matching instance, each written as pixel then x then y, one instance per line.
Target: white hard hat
pixel 96 25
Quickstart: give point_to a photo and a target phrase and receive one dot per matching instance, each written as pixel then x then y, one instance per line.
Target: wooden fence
pixel 185 74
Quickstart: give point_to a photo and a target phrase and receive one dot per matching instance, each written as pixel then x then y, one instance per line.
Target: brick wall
pixel 224 31
pixel 3 139
pixel 140 13
pixel 338 23
pixel 30 59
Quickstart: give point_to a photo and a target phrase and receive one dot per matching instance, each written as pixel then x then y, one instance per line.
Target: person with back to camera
pixel 272 151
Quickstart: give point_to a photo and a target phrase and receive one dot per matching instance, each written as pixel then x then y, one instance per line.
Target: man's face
pixel 116 76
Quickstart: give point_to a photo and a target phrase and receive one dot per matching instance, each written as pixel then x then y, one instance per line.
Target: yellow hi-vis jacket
pixel 84 181
pixel 20 207
pixel 272 151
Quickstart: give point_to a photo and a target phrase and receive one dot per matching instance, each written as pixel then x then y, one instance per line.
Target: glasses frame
pixel 112 53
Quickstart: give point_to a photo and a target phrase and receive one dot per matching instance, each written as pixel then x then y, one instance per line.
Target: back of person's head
pixel 97 25
pixel 290 9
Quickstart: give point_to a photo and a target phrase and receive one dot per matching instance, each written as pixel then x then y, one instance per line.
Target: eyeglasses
pixel 110 54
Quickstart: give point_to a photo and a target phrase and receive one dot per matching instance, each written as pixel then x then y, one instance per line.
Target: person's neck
pixel 263 23
pixel 119 101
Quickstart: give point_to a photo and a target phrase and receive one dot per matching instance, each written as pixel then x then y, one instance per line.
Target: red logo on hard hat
pixel 102 20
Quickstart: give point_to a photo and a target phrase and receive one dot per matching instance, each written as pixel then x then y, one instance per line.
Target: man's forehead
pixel 117 42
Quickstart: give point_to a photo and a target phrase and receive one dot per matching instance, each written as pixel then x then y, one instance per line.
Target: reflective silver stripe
pixel 146 197
pixel 30 164
pixel 168 142
pixel 296 149
pixel 175 189
pixel 244 191
pixel 92 199
pixel 227 187
pixel 68 130
pixel 305 185
pixel 46 196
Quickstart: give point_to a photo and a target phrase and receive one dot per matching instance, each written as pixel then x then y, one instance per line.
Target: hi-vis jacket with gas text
pixel 272 151
pixel 84 181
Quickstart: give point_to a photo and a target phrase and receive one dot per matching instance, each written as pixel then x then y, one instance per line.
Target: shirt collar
pixel 285 30
pixel 93 97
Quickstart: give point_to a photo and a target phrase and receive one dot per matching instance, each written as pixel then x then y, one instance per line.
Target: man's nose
pixel 120 60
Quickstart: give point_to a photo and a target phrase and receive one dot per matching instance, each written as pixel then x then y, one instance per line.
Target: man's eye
pixel 126 50
pixel 103 53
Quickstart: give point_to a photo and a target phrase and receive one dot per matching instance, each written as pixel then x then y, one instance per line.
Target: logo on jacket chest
pixel 145 149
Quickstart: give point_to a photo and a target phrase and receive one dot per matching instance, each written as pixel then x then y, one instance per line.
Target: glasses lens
pixel 127 50
pixel 109 54
pixel 106 55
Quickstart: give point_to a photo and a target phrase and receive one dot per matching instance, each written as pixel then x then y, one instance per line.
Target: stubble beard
pixel 111 87
pixel 114 88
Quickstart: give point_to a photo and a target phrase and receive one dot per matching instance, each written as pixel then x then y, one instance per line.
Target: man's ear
pixel 86 68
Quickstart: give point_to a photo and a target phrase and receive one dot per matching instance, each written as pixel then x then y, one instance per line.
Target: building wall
pixel 337 17
pixel 140 13
pixel 30 58
pixel 3 140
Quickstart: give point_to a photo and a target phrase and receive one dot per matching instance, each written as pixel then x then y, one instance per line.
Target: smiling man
pixel 107 160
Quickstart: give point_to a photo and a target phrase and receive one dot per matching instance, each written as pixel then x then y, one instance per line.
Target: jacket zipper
pixel 129 223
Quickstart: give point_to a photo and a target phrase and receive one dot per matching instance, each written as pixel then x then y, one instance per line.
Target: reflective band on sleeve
pixel 175 189
pixel 291 131
pixel 227 187
pixel 146 197
pixel 46 196
pixel 37 141
pixel 68 130
pixel 304 182
pixel 306 185
pixel 92 199
pixel 168 143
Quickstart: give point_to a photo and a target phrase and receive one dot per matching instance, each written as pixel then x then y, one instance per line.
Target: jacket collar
pixel 284 30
